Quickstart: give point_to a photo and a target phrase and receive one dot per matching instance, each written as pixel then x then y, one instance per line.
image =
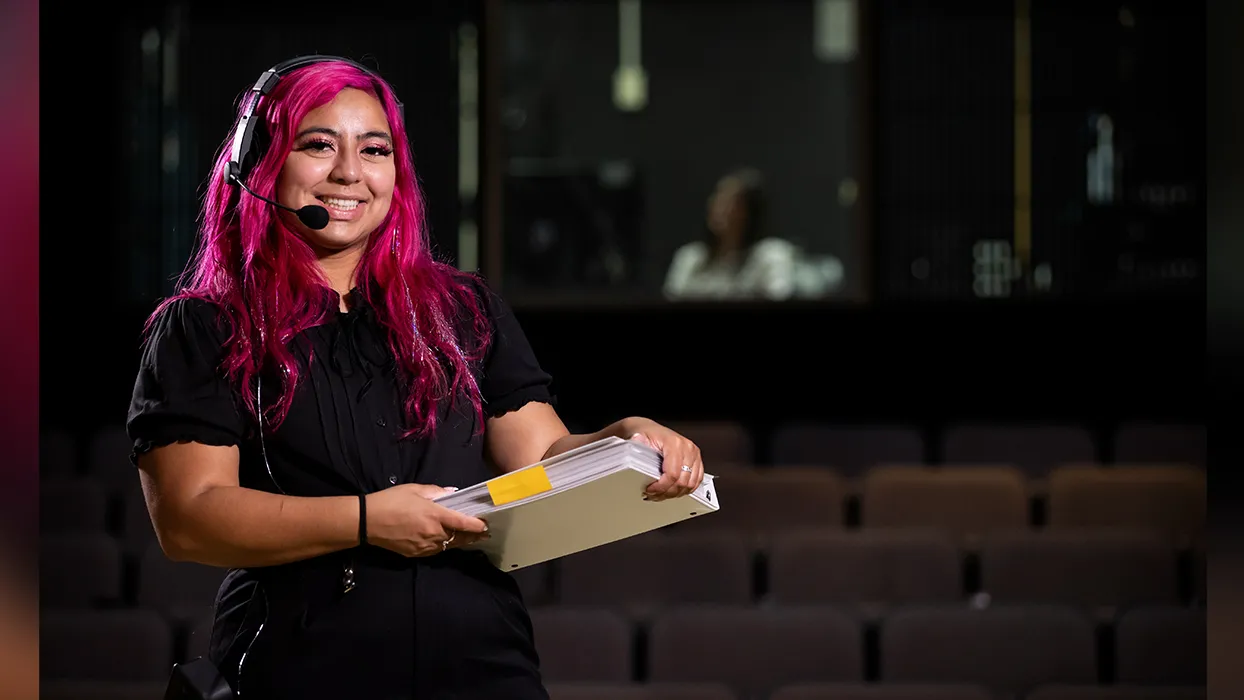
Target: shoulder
pixel 190 321
pixel 687 259
pixel 191 308
pixel 508 373
pixel 774 249
pixel 488 301
pixel 690 253
pixel 481 315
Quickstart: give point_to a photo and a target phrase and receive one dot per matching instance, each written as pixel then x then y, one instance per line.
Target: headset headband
pixel 241 155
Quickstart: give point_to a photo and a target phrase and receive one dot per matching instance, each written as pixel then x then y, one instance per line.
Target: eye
pixel 378 151
pixel 318 146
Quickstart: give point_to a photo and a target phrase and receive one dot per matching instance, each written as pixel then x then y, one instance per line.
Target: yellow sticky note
pixel 519 485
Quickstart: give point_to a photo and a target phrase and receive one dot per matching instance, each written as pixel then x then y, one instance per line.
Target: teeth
pixel 343 204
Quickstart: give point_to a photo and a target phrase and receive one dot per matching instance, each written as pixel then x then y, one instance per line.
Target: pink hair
pixel 265 276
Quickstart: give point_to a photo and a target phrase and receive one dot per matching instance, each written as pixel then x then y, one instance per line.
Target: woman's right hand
pixel 404 519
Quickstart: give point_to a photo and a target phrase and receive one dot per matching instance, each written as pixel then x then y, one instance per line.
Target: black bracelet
pixel 362 520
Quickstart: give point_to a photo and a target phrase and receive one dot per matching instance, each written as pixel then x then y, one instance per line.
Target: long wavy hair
pixel 266 280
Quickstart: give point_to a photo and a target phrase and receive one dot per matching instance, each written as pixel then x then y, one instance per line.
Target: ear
pixel 260 140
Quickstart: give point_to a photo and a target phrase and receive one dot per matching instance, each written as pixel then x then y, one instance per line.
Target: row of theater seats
pixel 751 649
pixel 1034 449
pixel 843 573
pixel 964 501
pixel 1119 586
pixel 876 568
pixel 72 690
pixel 862 691
pixel 102 491
pixel 1090 568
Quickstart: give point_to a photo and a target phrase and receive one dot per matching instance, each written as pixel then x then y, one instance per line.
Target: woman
pixel 312 387
pixel 736 260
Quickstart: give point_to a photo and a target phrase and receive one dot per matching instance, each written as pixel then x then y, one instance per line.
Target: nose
pixel 347 168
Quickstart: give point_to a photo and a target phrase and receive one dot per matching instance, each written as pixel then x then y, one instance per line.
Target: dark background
pixel 925 123
pixel 1100 347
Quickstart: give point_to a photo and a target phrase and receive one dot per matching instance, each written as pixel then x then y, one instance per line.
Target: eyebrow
pixel 337 135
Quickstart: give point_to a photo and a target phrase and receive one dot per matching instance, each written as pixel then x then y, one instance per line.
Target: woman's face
pixel 342 160
pixel 727 213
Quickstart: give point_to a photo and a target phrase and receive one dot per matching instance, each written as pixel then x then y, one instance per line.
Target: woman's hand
pixel 682 469
pixel 404 519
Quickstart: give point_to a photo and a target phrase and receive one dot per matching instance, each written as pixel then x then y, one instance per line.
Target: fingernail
pixel 451 488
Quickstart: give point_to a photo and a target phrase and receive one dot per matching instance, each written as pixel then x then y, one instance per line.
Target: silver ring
pixel 686 468
pixel 445 544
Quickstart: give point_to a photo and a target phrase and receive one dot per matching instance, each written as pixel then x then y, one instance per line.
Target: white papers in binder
pixel 596 497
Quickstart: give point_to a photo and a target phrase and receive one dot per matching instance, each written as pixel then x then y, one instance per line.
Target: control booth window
pixel 669 152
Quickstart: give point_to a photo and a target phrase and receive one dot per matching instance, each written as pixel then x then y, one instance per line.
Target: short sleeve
pixel 511 377
pixel 181 394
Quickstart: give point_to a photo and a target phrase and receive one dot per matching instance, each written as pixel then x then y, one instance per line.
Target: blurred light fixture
pixel 835 30
pixel 630 82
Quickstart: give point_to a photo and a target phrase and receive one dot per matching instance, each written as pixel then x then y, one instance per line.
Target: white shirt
pixel 771 270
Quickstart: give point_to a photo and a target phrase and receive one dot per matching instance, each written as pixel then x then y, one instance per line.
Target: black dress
pixel 448 626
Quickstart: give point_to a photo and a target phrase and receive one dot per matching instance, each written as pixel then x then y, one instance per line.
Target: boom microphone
pixel 314 216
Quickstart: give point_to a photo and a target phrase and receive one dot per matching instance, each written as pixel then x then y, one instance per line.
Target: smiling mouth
pixel 341 204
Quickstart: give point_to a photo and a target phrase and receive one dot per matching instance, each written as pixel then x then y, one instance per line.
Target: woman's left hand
pixel 682 468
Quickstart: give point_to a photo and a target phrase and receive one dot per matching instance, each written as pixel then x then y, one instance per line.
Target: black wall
pixel 923 364
pixel 929 363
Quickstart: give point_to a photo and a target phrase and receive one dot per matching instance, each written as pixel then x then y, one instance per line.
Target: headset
pixel 251 137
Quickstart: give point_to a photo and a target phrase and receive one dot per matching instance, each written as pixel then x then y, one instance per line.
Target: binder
pixel 581 499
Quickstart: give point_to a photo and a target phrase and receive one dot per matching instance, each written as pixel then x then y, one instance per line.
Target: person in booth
pixel 736 258
pixel 315 382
